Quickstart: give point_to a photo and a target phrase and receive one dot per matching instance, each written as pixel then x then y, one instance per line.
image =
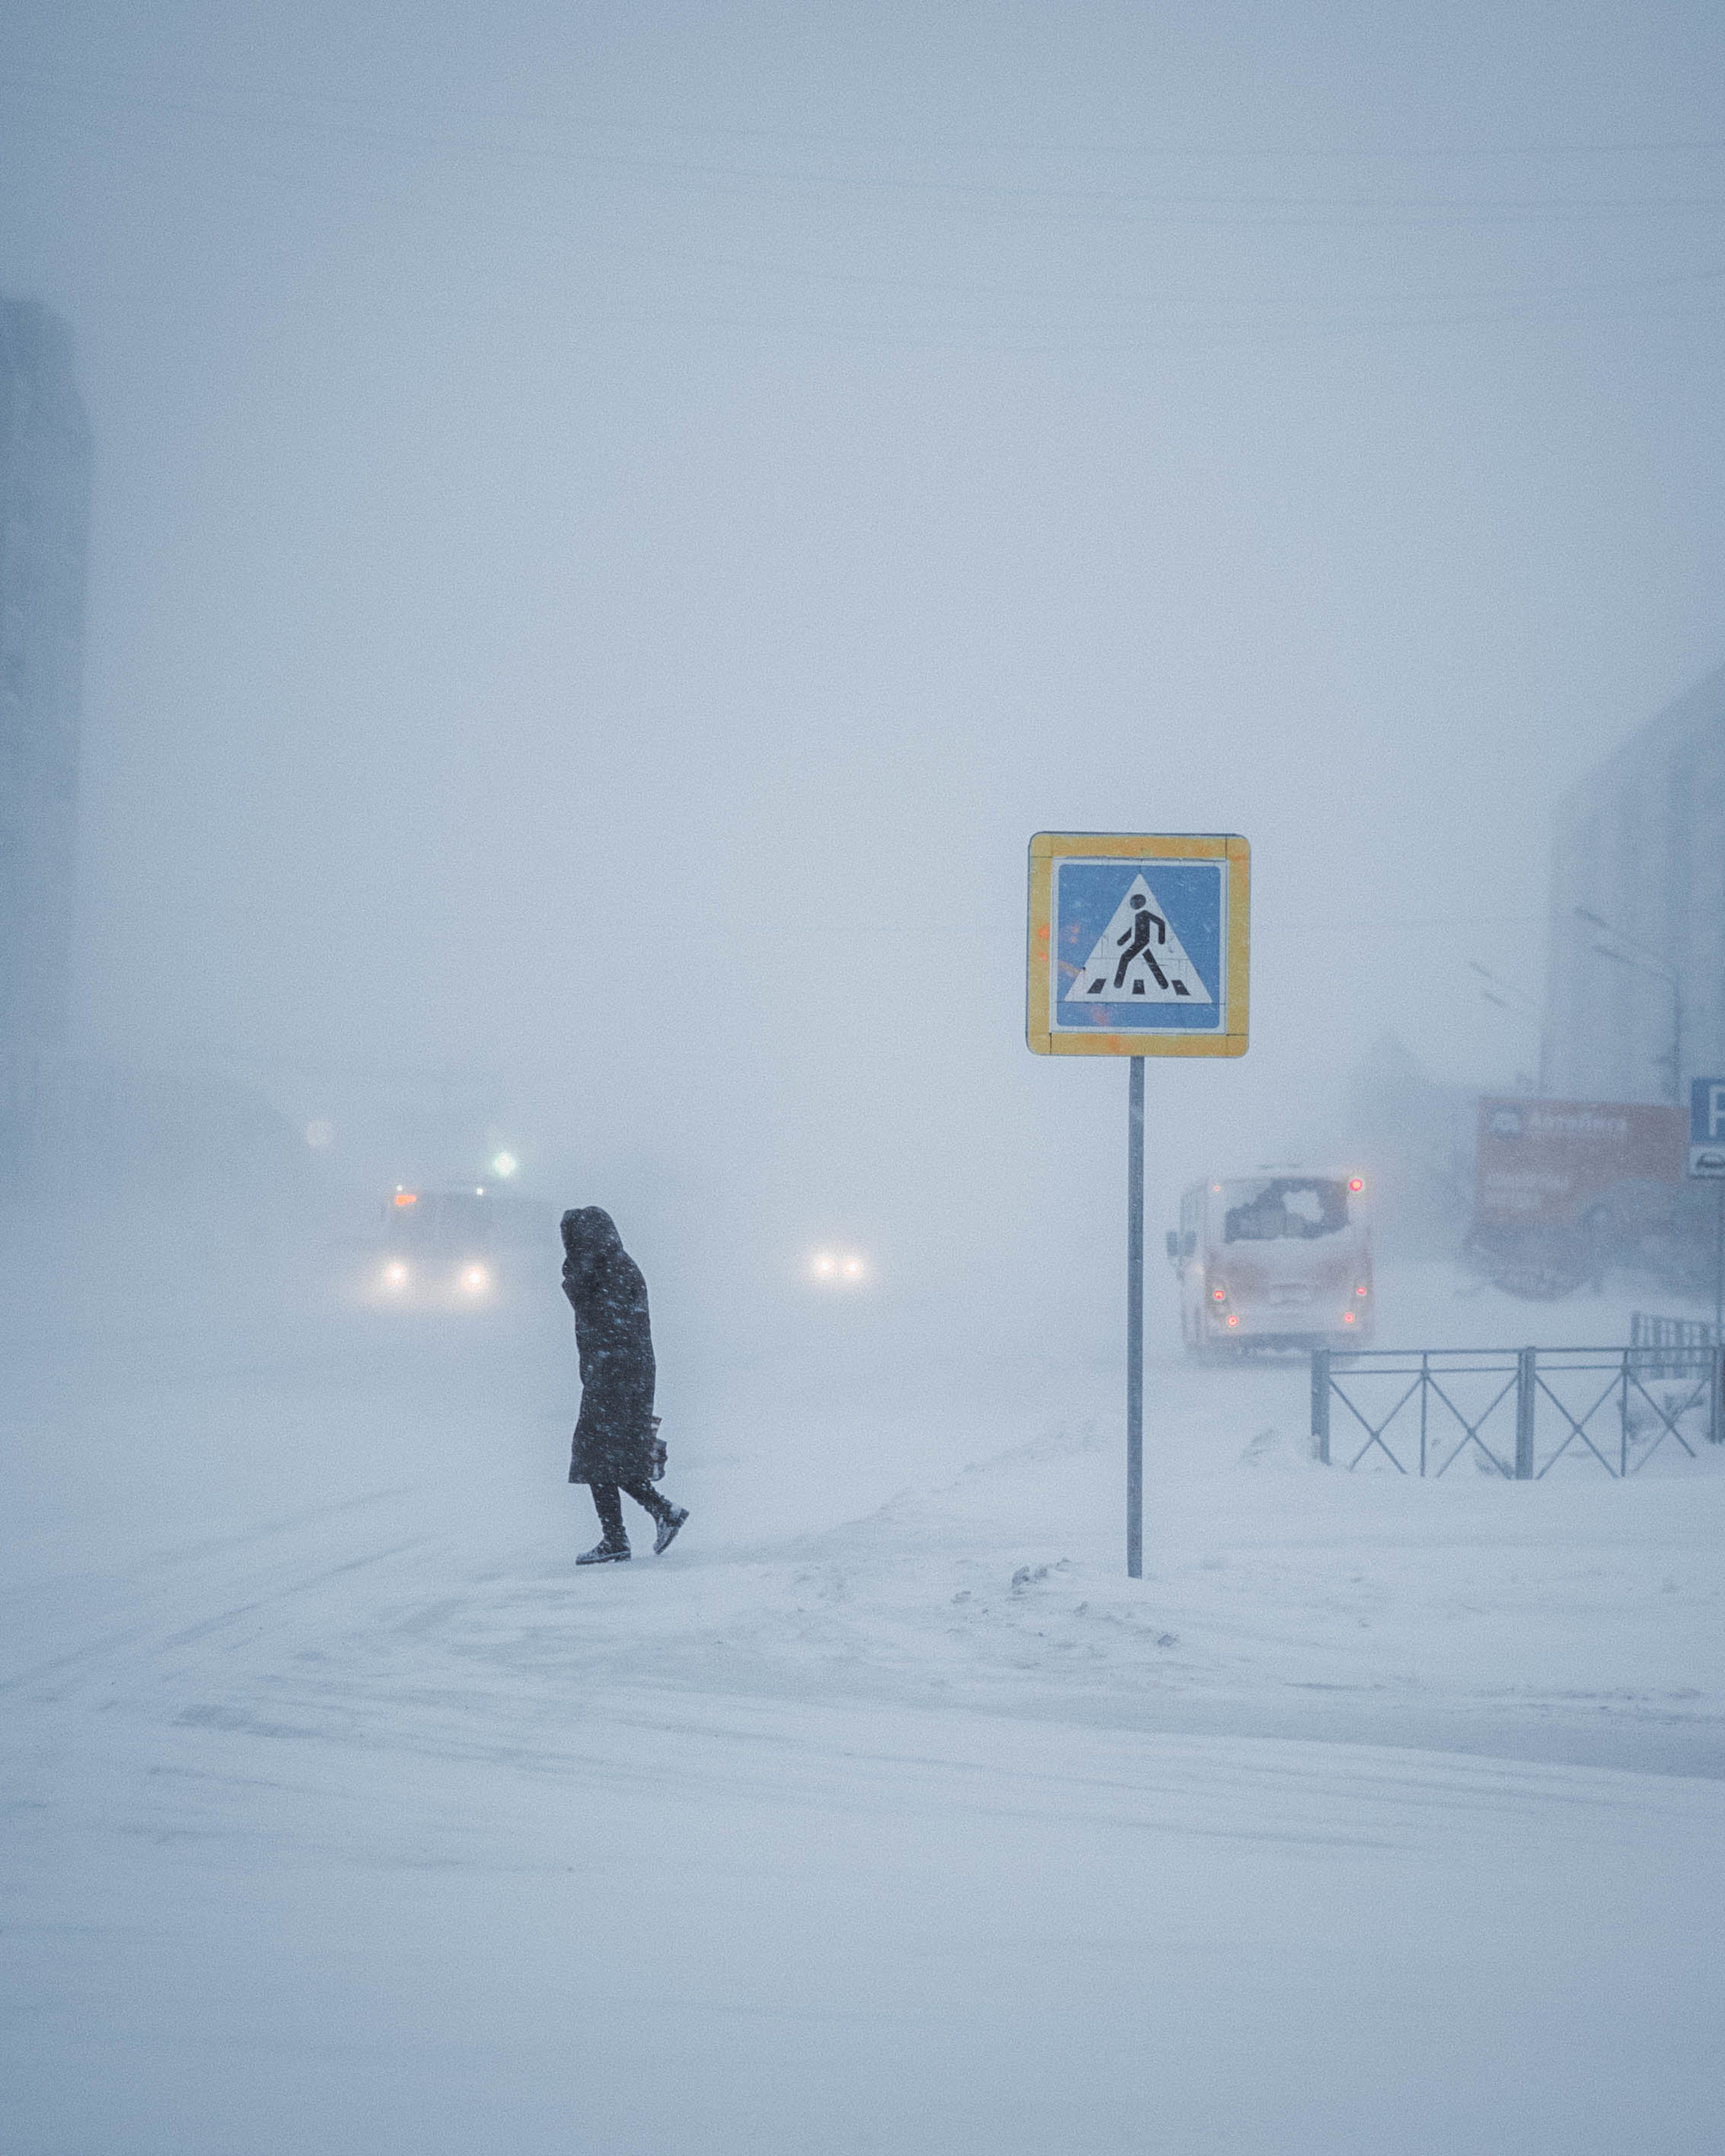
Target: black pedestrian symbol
pixel 1138 957
pixel 1137 942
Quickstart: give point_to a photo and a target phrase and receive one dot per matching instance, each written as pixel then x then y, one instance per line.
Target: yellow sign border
pixel 1049 846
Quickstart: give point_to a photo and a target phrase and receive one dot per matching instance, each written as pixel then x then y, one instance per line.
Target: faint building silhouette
pixel 44 493
pixel 1632 1011
pixel 71 1122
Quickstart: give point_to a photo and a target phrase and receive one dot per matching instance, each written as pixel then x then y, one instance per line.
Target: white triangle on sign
pixel 1138 959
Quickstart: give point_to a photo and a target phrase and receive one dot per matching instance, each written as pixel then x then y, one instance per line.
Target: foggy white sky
pixel 614 525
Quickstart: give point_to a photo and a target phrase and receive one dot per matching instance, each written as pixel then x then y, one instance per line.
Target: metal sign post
pixel 1706 1164
pixel 1134 1320
pixel 1140 945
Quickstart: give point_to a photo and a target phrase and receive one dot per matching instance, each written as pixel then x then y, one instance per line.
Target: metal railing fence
pixel 1652 1334
pixel 1516 1411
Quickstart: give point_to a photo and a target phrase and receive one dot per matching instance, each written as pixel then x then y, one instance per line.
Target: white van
pixel 1273 1260
pixel 438 1249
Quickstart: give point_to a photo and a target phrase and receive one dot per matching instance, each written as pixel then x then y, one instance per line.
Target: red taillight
pixel 1362 1289
pixel 1233 1320
pixel 1219 1295
pixel 1347 1317
pixel 406 1198
pixel 1356 1182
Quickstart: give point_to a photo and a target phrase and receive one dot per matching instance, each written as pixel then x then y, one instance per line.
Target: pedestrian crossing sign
pixel 1140 943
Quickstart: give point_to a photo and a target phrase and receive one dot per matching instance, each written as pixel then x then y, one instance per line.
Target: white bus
pixel 1273 1261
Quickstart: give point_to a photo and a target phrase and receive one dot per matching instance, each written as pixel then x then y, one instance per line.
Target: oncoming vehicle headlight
pixel 839 1267
pixel 395 1274
pixel 474 1278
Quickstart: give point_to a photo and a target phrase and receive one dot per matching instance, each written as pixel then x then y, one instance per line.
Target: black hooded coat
pixel 613 1440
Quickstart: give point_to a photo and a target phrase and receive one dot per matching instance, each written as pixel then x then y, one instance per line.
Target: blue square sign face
pixel 1138 946
pixel 1706 1129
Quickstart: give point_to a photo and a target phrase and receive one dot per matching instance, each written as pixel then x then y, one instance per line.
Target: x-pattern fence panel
pixel 1516 1412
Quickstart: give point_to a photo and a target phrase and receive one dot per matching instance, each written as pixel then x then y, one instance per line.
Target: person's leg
pixel 613 1545
pixel 609 1505
pixel 647 1497
pixel 668 1516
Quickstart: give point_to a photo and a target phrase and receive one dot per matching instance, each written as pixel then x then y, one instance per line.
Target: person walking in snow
pixel 615 1446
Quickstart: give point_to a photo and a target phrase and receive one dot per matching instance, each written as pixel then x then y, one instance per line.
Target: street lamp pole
pixel 1655 970
pixel 1512 1000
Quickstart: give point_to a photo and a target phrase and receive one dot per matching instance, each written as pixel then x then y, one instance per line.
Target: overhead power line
pixel 142 90
pixel 1156 203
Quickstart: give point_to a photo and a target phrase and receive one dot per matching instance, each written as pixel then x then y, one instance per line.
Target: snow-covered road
pixel 882 1814
pixel 665 1922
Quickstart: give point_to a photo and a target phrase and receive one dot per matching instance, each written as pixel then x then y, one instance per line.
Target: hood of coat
pixel 590 1242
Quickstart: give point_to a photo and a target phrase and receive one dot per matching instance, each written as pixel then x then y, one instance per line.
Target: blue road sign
pixel 1707 1128
pixel 1140 943
pixel 1132 956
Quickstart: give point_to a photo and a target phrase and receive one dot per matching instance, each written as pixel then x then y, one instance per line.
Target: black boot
pixel 605 1553
pixel 670 1520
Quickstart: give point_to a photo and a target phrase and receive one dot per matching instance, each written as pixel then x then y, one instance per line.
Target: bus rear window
pixel 1296 1208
